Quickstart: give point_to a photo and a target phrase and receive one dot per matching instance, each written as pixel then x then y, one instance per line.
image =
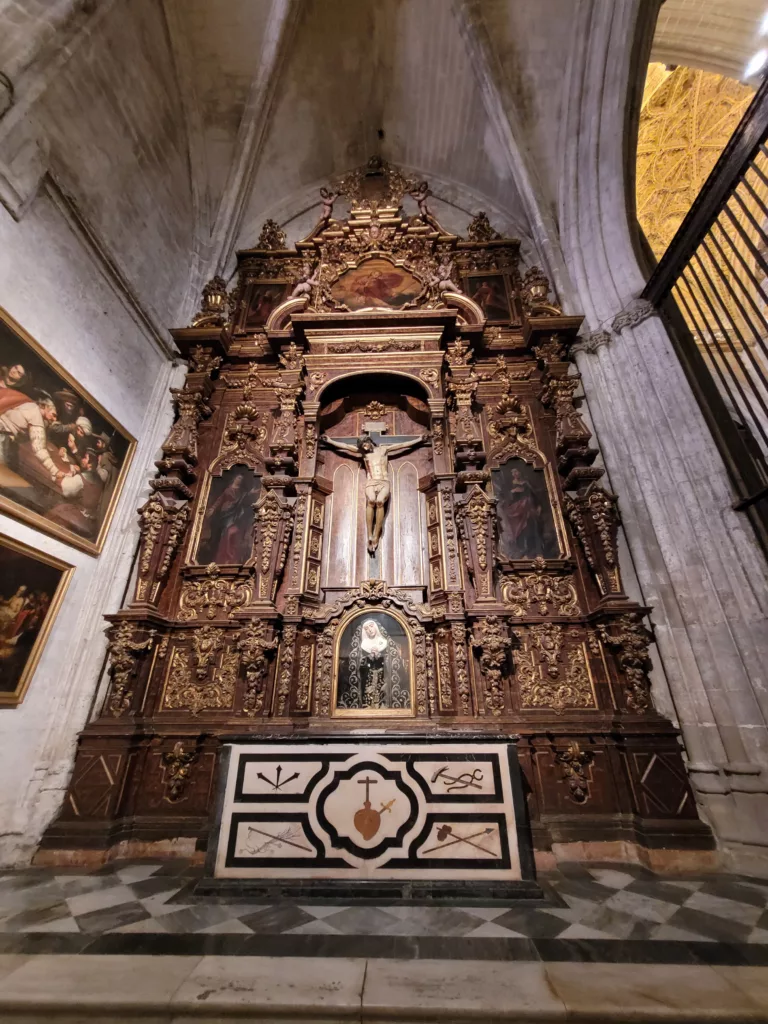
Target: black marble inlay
pixel 394 947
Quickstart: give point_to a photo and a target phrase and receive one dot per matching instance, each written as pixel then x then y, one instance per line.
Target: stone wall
pixel 95 235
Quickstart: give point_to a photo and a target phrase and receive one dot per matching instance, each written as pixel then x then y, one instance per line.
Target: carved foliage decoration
pixel 285 676
pixel 272 236
pixel 324 669
pixel 511 432
pixel 543 680
pixel 594 517
pixel 243 439
pixel 162 524
pixel 573 762
pixel 191 406
pixel 444 673
pixel 629 639
pixel 459 636
pixel 480 229
pixel 540 592
pixel 492 642
pixel 211 596
pixel 253 644
pixel 177 769
pixel 123 649
pixel 202 360
pixel 274 524
pixel 206 686
pixel 476 518
pixel 214 310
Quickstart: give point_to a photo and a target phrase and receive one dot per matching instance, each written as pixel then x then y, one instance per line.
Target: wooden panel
pixel 342 523
pixel 406 526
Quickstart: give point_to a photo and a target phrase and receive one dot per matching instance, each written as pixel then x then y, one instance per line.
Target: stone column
pixel 697 561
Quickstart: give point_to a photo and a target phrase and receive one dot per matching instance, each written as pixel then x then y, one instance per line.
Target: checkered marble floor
pixel 583 903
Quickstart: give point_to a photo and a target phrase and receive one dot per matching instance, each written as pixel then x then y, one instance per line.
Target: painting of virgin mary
pixel 374 671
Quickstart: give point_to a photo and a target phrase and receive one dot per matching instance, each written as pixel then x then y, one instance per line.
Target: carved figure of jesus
pixel 376 460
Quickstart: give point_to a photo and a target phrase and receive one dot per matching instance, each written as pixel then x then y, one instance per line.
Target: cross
pixel 376 470
pixel 367 782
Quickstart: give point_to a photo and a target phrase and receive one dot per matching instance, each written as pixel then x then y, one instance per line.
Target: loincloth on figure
pixel 377 491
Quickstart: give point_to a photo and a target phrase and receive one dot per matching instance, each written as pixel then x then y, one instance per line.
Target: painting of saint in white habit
pixel 374 666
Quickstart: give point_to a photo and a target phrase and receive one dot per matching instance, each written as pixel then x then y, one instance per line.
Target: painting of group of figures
pixel 62 457
pixel 63 460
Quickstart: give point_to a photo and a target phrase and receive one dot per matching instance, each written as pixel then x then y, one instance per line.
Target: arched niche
pixel 386 405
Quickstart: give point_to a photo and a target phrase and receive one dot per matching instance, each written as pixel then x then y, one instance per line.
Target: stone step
pixel 176 989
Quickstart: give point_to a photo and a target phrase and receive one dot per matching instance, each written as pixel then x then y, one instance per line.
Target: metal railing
pixel 711 285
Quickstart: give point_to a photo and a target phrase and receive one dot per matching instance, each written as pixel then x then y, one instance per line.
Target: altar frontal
pixel 418 811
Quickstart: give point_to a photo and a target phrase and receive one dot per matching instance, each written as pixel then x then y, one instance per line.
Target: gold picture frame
pixel 100 458
pixel 348 620
pixel 22 638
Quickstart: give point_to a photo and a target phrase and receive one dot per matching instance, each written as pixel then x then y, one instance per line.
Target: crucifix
pixel 374 450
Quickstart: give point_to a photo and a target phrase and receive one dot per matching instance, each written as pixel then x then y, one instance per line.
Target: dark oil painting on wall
pixel 376 283
pixel 490 292
pixel 526 524
pixel 63 458
pixel 373 666
pixel 227 534
pixel 264 297
pixel 32 586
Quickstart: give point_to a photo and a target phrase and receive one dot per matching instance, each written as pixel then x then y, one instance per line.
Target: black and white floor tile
pixel 585 908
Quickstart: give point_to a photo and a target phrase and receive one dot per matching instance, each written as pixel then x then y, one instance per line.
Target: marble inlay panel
pixel 376 809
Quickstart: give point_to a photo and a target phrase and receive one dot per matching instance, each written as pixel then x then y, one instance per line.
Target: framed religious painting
pixel 528 527
pixel 373 666
pixel 492 293
pixel 63 458
pixel 376 284
pixel 226 531
pixel 261 299
pixel 32 587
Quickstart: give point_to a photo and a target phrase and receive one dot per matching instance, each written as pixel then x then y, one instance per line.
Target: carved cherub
pixel 309 279
pixel 421 193
pixel 329 197
pixel 442 279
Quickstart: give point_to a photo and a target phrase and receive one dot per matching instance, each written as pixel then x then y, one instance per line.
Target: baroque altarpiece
pixel 379 511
